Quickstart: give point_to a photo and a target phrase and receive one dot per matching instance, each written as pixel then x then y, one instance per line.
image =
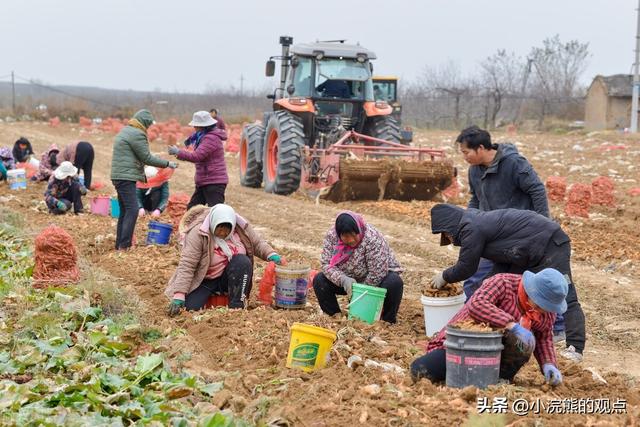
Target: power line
pixel 63 92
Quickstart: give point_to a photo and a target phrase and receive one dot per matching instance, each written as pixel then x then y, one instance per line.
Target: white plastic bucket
pixel 33 161
pixel 438 311
pixel 17 179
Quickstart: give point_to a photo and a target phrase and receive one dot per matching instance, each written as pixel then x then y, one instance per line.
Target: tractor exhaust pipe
pixel 285 41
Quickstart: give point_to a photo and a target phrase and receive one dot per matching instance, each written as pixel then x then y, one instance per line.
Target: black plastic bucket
pixel 473 357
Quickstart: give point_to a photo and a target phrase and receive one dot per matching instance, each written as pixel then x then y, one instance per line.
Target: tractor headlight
pixel 298 101
pixel 382 105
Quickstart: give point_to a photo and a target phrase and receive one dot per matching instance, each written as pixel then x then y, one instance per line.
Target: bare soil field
pixel 247 349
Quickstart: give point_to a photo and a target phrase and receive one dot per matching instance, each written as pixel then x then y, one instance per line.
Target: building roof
pixel 334 50
pixel 618 85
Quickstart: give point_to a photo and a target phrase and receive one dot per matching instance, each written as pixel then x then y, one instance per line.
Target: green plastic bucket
pixel 366 303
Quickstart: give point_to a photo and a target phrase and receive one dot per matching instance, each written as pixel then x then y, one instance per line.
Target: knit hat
pixel 547 289
pixel 65 170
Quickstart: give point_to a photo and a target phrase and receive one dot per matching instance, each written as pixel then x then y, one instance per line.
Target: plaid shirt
pixel 56 189
pixel 495 303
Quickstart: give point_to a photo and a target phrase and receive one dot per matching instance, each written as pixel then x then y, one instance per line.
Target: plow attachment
pixel 355 169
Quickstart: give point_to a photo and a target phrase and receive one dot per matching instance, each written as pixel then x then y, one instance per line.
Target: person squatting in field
pixel 7 162
pixel 64 190
pixel 356 252
pixel 48 163
pixel 216 258
pixel 153 195
pixel 525 306
pixel 515 241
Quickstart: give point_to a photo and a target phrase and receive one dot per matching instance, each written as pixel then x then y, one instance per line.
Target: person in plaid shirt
pixel 64 190
pixel 525 306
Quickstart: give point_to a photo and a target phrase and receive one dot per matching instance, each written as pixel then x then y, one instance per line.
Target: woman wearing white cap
pixel 211 170
pixel 153 195
pixel 64 190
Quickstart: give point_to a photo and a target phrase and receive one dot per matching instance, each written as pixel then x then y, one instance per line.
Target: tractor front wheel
pixel 250 168
pixel 282 157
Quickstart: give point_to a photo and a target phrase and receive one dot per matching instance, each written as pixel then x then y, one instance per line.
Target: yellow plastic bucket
pixel 309 347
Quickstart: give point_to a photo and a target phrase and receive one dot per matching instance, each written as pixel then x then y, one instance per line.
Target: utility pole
pixel 636 79
pixel 242 82
pixel 13 94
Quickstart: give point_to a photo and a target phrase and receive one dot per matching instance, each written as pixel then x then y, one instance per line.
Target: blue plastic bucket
pixel 115 208
pixel 159 233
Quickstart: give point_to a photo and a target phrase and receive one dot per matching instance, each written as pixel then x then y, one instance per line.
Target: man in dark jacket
pixel 515 241
pixel 499 178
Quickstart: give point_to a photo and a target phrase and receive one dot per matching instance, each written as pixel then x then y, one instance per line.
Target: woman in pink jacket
pixel 216 258
pixel 208 155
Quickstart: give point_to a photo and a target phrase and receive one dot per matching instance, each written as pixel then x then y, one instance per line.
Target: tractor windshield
pixel 384 90
pixel 301 77
pixel 343 78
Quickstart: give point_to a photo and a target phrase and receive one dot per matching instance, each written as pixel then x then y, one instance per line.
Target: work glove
pixel 347 283
pixel 276 258
pixel 173 165
pixel 156 213
pixel 141 212
pixel 552 374
pixel 437 281
pixel 175 306
pixel 61 206
pixel 173 150
pixel 524 337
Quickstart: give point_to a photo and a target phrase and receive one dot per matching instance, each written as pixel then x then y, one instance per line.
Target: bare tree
pixel 501 74
pixel 558 67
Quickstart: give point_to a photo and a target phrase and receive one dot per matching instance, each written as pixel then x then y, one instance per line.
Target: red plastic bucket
pixel 217 301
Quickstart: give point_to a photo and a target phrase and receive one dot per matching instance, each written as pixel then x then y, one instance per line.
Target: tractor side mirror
pixel 291 89
pixel 271 96
pixel 270 70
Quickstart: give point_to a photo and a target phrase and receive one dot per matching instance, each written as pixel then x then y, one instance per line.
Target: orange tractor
pixel 328 134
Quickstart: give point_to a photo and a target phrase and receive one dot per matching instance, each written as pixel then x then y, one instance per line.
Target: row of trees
pixel 506 88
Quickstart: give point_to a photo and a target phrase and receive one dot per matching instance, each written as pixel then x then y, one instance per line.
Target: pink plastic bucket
pixel 100 205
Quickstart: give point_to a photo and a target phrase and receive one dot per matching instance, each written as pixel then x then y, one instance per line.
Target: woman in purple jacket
pixel 208 155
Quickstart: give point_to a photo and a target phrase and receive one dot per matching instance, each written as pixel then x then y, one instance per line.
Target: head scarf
pixel 221 214
pixel 341 251
pixel 530 315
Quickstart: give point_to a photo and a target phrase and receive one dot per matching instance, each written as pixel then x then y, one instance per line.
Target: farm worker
pixel 130 154
pixel 153 195
pixel 499 178
pixel 81 155
pixel 216 258
pixel 355 252
pixel 525 306
pixel 22 150
pixel 64 190
pixel 48 163
pixel 216 116
pixel 515 241
pixel 6 161
pixel 334 89
pixel 211 169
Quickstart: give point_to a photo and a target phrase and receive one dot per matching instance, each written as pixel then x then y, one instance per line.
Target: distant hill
pixel 73 101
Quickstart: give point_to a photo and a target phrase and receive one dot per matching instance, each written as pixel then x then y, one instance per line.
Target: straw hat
pixel 202 119
pixel 65 170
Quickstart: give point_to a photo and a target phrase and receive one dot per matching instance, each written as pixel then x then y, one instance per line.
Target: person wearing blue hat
pixel 514 240
pixel 525 306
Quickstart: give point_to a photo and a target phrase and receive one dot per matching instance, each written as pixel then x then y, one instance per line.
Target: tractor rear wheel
pixel 384 127
pixel 282 161
pixel 250 168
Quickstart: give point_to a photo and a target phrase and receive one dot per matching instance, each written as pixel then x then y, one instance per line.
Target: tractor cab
pixel 385 88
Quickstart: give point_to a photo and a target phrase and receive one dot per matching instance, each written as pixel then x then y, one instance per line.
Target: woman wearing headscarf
pixel 22 150
pixel 216 259
pixel 356 252
pixel 48 163
pixel 208 155
pixel 81 154
pixel 130 154
pixel 6 161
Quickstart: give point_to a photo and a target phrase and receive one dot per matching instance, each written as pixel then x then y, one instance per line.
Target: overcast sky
pixel 192 45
